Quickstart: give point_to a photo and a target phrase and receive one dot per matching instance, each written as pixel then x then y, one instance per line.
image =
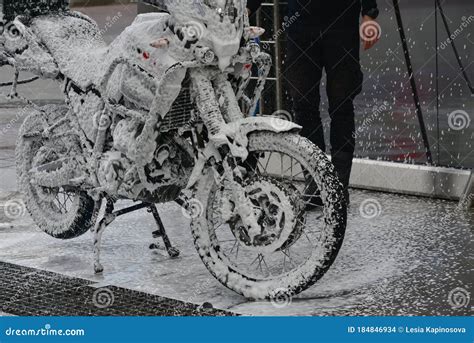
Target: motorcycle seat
pixel 76 44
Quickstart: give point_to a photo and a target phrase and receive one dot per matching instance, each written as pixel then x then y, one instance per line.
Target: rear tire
pixel 321 255
pixel 66 219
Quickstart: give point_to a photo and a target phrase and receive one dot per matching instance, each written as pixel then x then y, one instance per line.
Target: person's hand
pixel 370 32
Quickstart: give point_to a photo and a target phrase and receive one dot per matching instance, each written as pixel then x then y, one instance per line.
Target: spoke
pixel 69 197
pixel 284 264
pixel 311 195
pixel 235 244
pixel 266 266
pixel 302 223
pixel 306 186
pixel 301 172
pixel 286 252
pixel 59 205
pixel 281 163
pixel 259 163
pixel 255 169
pixel 65 200
pixel 268 161
pixel 260 263
pixel 307 237
pixel 304 232
pixel 255 259
pixel 229 240
pixel 62 201
pixel 291 166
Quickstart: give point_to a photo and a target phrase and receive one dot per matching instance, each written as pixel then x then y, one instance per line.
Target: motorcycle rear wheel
pixel 219 246
pixel 59 212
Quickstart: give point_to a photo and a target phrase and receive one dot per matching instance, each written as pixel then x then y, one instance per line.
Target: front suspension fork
pixel 217 108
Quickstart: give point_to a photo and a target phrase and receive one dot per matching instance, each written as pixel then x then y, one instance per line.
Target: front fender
pixel 239 131
pixel 268 123
pixel 243 127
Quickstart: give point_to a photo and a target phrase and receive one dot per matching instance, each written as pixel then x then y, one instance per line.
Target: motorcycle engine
pixel 171 164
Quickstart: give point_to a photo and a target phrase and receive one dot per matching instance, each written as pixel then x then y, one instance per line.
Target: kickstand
pixel 110 216
pixel 13 91
pixel 99 230
pixel 161 232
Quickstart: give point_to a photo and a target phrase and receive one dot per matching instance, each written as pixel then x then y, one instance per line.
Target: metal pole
pixel 416 98
pixel 467 199
pixel 455 50
pixel 278 57
pixel 437 86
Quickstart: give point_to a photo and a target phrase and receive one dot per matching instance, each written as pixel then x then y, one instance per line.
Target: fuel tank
pixel 137 85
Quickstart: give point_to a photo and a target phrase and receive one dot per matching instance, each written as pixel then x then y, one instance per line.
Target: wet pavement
pixel 401 255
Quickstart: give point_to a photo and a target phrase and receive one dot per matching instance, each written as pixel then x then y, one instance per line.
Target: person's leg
pixel 303 70
pixel 344 83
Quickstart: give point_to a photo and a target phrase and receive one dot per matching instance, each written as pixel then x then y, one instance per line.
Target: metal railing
pixel 275 44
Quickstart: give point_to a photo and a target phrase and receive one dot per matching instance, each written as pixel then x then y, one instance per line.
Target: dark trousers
pixel 309 51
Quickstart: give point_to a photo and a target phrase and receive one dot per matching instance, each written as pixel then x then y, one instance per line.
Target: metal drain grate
pixel 32 292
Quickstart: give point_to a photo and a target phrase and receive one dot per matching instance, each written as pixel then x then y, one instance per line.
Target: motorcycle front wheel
pixel 295 247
